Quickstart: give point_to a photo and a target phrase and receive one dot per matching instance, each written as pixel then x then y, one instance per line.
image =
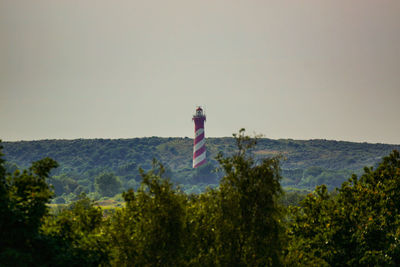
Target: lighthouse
pixel 199 146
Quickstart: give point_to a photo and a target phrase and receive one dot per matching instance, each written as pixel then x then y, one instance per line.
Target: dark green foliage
pixel 149 231
pixel 29 236
pixel 359 226
pixel 77 235
pixel 24 196
pixel 249 218
pixel 202 226
pixel 107 184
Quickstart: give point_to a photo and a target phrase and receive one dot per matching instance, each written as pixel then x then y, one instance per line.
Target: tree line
pixel 242 222
pixel 306 163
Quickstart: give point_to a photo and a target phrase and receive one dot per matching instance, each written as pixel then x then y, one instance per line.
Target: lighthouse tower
pixel 199 147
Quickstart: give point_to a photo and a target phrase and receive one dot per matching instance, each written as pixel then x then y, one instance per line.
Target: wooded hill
pixel 304 163
pixel 248 220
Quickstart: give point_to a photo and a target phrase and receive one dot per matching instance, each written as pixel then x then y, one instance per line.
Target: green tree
pixel 23 204
pixel 310 231
pixel 203 210
pixel 77 235
pixel 107 184
pixel 360 226
pixel 249 229
pixel 149 231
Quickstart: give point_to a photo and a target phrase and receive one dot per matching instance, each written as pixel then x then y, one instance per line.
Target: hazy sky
pixel 118 69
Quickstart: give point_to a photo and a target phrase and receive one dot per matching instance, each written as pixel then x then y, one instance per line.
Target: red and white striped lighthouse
pixel 199 147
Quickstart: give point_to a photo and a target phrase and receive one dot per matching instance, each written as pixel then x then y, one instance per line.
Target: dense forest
pixel 86 165
pixel 242 222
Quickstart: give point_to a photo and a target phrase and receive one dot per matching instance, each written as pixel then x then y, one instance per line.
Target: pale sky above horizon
pixel 120 69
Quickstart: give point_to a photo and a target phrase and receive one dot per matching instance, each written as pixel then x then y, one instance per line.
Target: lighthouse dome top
pixel 199 113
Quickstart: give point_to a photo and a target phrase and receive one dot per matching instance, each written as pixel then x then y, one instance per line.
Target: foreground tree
pixel 149 231
pixel 23 203
pixel 30 236
pixel 248 227
pixel 359 227
pixel 77 235
pixel 238 224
